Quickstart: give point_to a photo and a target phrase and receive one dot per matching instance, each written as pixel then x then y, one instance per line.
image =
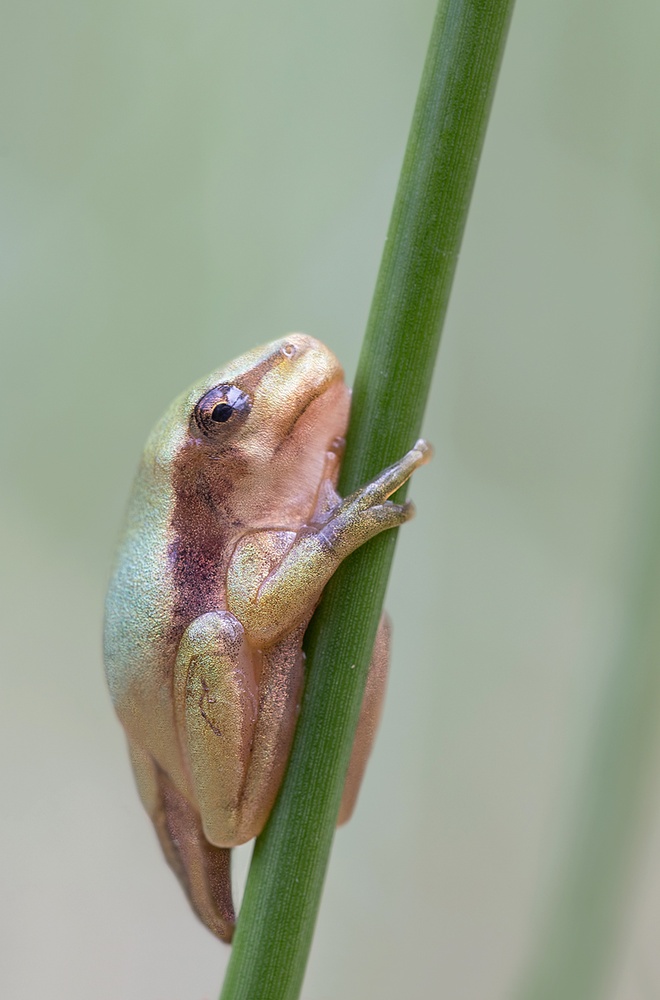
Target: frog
pixel 233 527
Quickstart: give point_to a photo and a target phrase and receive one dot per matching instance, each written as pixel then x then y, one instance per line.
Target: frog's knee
pixel 215 630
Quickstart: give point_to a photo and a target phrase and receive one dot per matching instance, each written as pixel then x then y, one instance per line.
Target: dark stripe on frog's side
pixel 202 536
pixel 203 525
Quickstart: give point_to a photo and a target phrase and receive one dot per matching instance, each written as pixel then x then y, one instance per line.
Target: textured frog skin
pixel 233 528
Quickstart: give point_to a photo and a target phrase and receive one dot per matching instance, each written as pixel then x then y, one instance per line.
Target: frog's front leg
pixel 235 709
pixel 272 588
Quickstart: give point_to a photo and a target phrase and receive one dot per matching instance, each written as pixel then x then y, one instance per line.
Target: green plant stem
pixel 284 885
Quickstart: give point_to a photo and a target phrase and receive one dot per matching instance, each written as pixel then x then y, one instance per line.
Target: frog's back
pixel 138 605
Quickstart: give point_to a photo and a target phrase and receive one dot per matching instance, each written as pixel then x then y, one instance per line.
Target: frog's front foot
pixel 368 510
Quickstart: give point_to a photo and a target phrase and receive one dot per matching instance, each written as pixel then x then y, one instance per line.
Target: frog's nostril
pixel 288 349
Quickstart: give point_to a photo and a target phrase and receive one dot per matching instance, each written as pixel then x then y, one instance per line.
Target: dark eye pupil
pixel 221 413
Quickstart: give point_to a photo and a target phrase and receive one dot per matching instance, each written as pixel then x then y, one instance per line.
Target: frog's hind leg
pixel 216 698
pixel 372 705
pixel 202 868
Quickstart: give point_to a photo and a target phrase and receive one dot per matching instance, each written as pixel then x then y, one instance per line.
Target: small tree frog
pixel 233 529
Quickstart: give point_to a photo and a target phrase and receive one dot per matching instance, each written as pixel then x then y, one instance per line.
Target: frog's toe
pixel 425 451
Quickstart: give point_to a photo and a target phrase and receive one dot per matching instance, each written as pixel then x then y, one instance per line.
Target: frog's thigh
pixel 215 697
pixel 202 869
pixel 372 704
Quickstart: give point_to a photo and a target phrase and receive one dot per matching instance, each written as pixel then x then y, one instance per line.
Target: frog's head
pixel 254 434
pixel 269 397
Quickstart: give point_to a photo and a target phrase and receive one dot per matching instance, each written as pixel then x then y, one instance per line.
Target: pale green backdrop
pixel 181 181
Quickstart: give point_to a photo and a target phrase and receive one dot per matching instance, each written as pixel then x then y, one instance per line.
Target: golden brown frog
pixel 233 529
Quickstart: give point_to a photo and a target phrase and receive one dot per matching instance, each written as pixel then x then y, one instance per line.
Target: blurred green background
pixel 182 181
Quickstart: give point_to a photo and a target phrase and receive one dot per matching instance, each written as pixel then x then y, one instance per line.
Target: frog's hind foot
pixel 202 868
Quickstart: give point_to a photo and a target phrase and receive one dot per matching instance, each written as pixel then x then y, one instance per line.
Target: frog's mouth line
pixel 322 389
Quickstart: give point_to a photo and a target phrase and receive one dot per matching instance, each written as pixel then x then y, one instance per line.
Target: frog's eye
pixel 221 413
pixel 224 406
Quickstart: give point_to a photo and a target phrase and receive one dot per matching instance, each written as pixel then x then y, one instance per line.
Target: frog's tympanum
pixel 233 529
